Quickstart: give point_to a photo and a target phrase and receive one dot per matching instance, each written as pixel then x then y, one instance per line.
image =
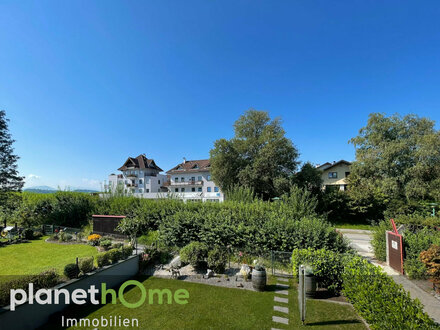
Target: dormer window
pixel 196 166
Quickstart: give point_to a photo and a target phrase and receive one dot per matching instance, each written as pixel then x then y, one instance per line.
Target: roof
pixel 192 166
pixel 328 165
pixel 140 162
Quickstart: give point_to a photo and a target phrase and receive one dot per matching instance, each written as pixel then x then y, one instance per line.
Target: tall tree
pixel 10 180
pixel 397 159
pixel 259 156
pixel 310 178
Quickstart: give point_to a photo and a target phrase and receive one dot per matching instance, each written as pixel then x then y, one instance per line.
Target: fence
pixel 281 263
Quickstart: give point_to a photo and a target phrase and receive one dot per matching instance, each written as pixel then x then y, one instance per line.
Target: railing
pixel 186 183
pixel 131 184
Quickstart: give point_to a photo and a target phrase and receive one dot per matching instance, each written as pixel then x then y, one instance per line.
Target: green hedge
pixel 379 300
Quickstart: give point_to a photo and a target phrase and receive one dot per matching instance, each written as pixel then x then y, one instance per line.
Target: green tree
pixel 397 163
pixel 259 156
pixel 310 178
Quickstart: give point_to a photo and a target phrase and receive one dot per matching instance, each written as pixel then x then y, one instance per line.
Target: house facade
pixel 140 175
pixel 191 180
pixel 335 174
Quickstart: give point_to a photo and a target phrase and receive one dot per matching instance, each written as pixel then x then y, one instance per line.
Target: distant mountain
pixel 50 190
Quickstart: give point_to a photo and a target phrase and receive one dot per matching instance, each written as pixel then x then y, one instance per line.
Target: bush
pixel 37 234
pixel 86 264
pixel 28 233
pixel 379 300
pixel 46 279
pixel 431 259
pixel 126 251
pixel 64 237
pixel 379 242
pixel 194 254
pixel 93 239
pixel 415 269
pixel 114 255
pixel 103 259
pixel 327 266
pixel 105 243
pixel 71 271
pixel 419 240
pixel 117 245
pixel 217 259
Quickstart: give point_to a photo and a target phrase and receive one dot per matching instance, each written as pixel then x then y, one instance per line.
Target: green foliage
pixel 28 233
pixel 46 279
pixel 114 255
pixel 217 259
pixel 309 177
pixel 86 264
pixel 379 242
pixel 150 238
pixel 379 300
pixel 195 254
pixel 126 251
pixel 415 269
pixel 419 240
pixel 431 259
pixel 71 271
pixel 103 259
pixel 64 237
pixel 105 243
pixel 328 266
pixel 259 156
pixel 397 164
pixel 239 193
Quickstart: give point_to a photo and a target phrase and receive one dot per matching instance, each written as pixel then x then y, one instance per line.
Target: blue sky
pixel 88 83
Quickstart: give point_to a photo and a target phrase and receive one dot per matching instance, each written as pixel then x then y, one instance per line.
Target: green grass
pixel 353 226
pixel 211 307
pixel 38 255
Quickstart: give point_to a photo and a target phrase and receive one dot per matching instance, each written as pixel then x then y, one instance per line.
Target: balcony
pixel 131 184
pixel 184 183
pixel 131 175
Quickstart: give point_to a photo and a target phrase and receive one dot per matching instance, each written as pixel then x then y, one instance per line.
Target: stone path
pixel 281 300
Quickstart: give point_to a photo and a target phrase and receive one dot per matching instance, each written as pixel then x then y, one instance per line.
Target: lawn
pixel 360 226
pixel 211 307
pixel 38 255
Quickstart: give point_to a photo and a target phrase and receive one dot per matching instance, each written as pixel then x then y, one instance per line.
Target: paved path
pixel 281 303
pixel 360 240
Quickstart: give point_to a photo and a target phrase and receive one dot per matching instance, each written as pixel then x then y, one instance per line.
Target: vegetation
pixel 71 271
pixel 259 156
pixel 86 264
pixel 431 259
pixel 195 254
pixel 212 307
pixel 217 259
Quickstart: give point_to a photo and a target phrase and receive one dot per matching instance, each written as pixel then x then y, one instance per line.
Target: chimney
pixel 184 160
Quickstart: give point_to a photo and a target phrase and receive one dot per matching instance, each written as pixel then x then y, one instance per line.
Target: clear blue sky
pixel 88 83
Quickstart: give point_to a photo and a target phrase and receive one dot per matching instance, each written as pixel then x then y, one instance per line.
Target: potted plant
pixel 259 278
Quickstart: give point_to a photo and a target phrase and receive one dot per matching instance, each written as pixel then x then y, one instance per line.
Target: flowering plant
pixel 94 239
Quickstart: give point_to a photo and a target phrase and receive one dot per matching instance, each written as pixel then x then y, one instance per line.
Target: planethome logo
pixel 82 296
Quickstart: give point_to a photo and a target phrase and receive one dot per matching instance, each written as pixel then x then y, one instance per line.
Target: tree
pixel 10 181
pixel 397 163
pixel 259 156
pixel 310 178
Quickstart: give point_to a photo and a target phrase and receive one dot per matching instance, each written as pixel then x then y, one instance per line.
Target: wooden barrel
pixel 259 279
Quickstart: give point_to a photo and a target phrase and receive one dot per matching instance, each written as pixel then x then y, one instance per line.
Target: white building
pixel 140 175
pixel 191 180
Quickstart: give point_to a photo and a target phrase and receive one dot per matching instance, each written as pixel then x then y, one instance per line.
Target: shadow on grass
pixel 337 322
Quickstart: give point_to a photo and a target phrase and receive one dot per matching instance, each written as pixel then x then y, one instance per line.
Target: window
pixel 199 189
pixel 209 177
pixel 140 181
pixel 140 190
pixel 182 190
pixel 193 189
pixel 158 181
pixel 208 189
pixel 216 189
pixel 193 178
pixel 176 189
pixel 176 179
pixel 199 178
pixel 182 179
pixel 347 174
pixel 147 190
pixel 332 175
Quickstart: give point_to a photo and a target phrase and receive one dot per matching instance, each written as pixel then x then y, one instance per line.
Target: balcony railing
pixel 185 183
pixel 131 184
pixel 131 175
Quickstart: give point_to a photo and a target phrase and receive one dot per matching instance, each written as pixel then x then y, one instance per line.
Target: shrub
pixel 46 279
pixel 37 234
pixel 117 245
pixel 126 251
pixel 93 239
pixel 379 240
pixel 379 300
pixel 71 271
pixel 327 266
pixel 28 233
pixel 114 255
pixel 419 240
pixel 64 237
pixel 195 254
pixel 217 259
pixel 105 243
pixel 415 269
pixel 103 259
pixel 86 264
pixel 431 259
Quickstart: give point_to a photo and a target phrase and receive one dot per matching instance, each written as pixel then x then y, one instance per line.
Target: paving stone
pixel 281 300
pixel 282 279
pixel 284 286
pixel 281 309
pixel 278 319
pixel 282 292
pixel 275 329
